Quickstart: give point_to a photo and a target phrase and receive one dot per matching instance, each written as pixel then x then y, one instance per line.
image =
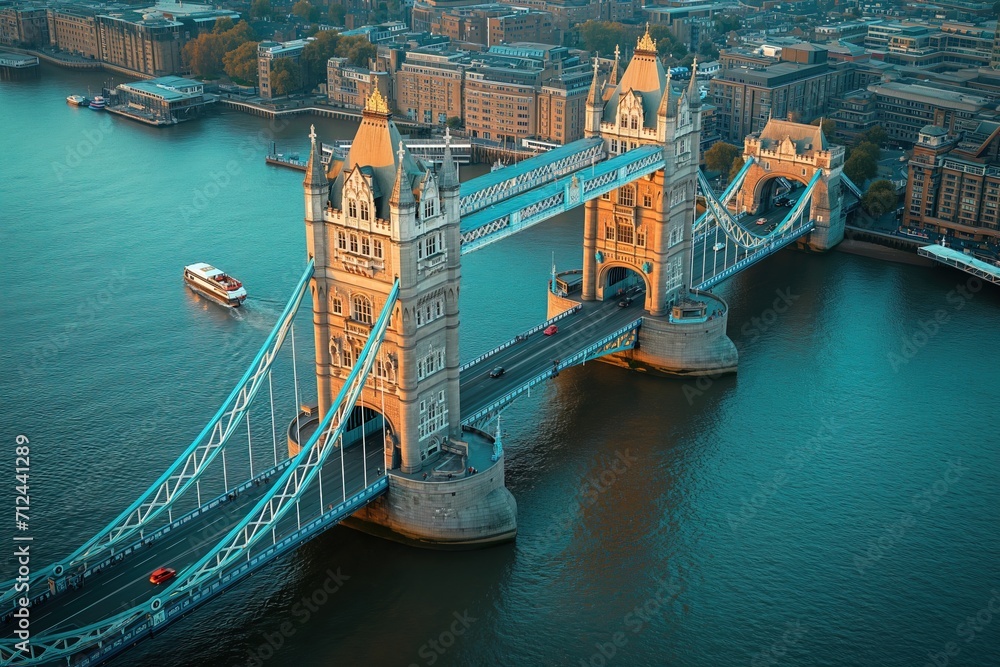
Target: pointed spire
pixel 449 175
pixel 613 79
pixel 594 95
pixel 315 173
pixel 694 97
pixel 402 194
pixel 665 110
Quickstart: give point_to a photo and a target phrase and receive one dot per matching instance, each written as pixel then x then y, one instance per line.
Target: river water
pixel 835 503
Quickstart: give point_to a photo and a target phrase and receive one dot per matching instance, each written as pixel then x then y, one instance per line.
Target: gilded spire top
pixel 377 103
pixel 646 43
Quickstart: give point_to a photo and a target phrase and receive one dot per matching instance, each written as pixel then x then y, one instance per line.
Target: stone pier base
pixel 678 348
pixel 462 513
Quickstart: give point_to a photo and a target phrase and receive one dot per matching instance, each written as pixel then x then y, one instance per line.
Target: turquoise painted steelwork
pixel 188 467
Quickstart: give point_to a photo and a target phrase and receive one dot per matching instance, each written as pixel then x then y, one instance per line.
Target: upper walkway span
pixel 500 184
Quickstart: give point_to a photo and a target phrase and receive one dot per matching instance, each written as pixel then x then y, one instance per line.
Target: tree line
pixel 232 49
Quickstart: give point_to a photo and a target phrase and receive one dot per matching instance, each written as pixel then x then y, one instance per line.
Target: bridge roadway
pixel 125 585
pixel 527 359
pixel 717 260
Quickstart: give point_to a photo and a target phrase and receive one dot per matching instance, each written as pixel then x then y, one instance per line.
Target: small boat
pixel 215 284
pixel 97 103
pixel 78 100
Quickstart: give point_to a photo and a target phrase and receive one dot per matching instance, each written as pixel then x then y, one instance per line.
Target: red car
pixel 162 574
pixel 551 329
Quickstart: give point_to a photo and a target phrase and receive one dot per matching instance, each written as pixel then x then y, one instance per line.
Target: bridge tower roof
pixel 375 147
pixel 644 76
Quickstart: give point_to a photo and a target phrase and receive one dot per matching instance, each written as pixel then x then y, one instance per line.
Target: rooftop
pixel 169 88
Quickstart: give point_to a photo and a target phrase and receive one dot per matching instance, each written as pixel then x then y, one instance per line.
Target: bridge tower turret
pixel 390 217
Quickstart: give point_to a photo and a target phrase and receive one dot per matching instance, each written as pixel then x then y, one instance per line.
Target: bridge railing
pixel 185 472
pixel 755 257
pixel 577 358
pixel 178 607
pixel 520 337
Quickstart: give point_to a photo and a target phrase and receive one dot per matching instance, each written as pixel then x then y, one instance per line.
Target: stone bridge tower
pixel 639 235
pixel 374 216
pixel 644 227
pixel 796 151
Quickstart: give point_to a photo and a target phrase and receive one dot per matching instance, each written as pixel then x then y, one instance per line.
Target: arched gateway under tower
pixel 795 151
pixel 373 217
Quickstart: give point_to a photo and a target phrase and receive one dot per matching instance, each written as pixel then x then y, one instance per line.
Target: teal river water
pixel 830 505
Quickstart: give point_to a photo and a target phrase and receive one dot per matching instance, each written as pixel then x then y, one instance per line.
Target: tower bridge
pixel 405 440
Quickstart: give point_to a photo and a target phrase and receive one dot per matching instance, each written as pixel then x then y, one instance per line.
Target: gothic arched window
pixel 352 208
pixel 365 212
pixel 361 308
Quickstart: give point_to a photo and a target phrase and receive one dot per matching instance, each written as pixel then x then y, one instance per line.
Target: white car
pixel 718 246
pixel 761 221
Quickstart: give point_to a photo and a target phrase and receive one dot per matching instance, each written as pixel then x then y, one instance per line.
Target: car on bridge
pixel 162 574
pixel 718 246
pixel 761 221
pixel 625 303
pixel 550 330
pixel 497 372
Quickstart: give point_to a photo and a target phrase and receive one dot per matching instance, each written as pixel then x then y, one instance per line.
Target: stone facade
pixel 375 217
pixel 796 151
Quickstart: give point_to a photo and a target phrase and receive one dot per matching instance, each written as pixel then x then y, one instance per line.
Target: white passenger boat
pixel 215 284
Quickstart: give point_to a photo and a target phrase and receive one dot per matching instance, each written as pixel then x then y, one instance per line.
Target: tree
pixel 241 63
pixel 204 55
pixel 336 14
pixel 867 148
pixel 737 165
pixel 708 51
pixel 222 25
pixel 261 9
pixel 357 49
pixel 454 122
pixel 285 77
pixel 880 198
pixel 720 157
pixel 602 36
pixel 874 135
pixel 860 167
pixel 302 9
pixel 727 23
pixel 316 54
pixel 829 126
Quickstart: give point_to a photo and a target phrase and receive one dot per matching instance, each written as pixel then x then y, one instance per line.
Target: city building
pixel 492 24
pixel 147 44
pixel 24 26
pixel 349 85
pixel 561 105
pixel 74 29
pixel 378 34
pixel 429 86
pixel 854 113
pixel 148 41
pixel 903 108
pixel 268 52
pixel 953 185
pixel 168 98
pixel 798 86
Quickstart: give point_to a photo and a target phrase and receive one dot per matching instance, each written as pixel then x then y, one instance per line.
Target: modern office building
pixel 798 87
